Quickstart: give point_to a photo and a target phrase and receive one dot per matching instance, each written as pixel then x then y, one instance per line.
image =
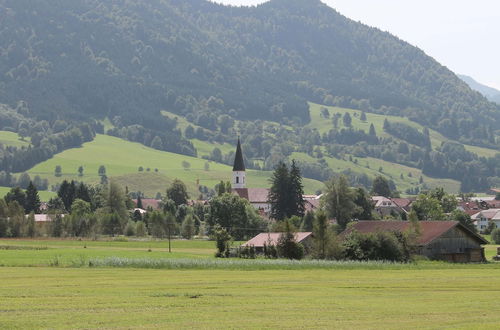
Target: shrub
pixel 222 239
pixel 140 229
pixel 130 229
pixel 390 246
pixel 495 235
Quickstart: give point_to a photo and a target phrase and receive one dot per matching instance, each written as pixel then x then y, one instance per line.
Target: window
pixel 237 179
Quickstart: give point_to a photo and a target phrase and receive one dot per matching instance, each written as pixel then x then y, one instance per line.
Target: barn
pixel 262 239
pixel 439 240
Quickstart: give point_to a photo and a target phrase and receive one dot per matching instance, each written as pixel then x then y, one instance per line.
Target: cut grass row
pixel 149 298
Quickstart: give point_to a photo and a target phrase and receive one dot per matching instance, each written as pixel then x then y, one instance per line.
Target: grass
pixel 44 195
pixel 12 139
pixel 123 158
pixel 48 297
pixel 324 125
pixel 128 287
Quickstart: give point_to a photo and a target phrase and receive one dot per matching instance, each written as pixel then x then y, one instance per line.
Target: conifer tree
pixel 32 199
pixel 279 194
pixel 296 191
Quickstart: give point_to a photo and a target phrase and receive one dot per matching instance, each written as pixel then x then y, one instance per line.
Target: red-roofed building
pixel 443 240
pixel 149 203
pixel 271 239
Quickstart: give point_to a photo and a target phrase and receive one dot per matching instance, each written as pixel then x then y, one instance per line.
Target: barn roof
pixel 272 239
pixel 430 230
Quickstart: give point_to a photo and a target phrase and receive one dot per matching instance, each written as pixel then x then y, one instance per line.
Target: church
pixel 258 196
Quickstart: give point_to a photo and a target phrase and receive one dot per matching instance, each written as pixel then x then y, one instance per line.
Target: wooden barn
pixel 258 242
pixel 439 240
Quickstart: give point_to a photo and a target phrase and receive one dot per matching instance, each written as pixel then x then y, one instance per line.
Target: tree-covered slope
pixel 134 58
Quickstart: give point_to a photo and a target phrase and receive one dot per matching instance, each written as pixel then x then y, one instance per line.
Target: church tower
pixel 238 169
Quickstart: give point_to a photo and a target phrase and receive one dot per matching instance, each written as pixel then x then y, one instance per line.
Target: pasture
pixel 122 160
pixel 373 295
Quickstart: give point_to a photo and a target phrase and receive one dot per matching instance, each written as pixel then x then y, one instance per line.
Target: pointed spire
pixel 239 164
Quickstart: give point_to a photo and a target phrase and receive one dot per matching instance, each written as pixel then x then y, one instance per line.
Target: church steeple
pixel 238 168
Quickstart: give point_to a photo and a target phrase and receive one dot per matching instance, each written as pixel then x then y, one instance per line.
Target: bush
pixel 495 235
pixel 140 229
pixel 130 229
pixel 390 246
pixel 490 228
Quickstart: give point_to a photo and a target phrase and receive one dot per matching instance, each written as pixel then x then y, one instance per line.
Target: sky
pixel 460 34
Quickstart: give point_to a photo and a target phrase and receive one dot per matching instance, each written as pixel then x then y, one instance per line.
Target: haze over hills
pixel 491 93
pixel 67 66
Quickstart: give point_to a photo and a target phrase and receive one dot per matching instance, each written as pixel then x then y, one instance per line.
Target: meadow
pixel 291 295
pixel 122 160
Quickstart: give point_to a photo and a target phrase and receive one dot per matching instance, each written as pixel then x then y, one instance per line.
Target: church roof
pixel 239 164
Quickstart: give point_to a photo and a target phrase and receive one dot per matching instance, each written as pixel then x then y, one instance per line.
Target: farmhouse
pixel 271 239
pixel 484 217
pixel 441 240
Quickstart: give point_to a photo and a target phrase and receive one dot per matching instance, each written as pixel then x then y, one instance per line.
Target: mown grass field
pixel 123 158
pixel 12 139
pixel 431 295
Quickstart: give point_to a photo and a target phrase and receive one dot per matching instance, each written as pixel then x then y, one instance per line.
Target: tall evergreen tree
pixel 297 191
pixel 279 194
pixel 139 201
pixel 67 193
pixel 32 199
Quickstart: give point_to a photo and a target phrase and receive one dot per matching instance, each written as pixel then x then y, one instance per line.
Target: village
pixel 437 225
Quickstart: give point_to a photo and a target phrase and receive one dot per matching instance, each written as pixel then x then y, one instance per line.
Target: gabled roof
pixel 253 195
pixel 149 202
pixel 239 164
pixel 488 214
pixel 430 230
pixel 272 239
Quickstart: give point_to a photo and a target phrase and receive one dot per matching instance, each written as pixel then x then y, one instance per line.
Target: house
pixel 440 240
pixel 386 206
pixel 271 239
pixel 484 217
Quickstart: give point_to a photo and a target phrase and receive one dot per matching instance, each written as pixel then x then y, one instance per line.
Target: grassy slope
pixel 12 139
pixel 44 195
pixel 122 159
pixel 405 296
pixel 324 125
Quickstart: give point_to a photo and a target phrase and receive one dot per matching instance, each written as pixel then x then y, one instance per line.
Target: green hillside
pixel 12 139
pixel 324 125
pixel 122 160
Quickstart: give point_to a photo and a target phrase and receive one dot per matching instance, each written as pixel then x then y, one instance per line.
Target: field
pixel 123 158
pixel 61 295
pixel 12 139
pixel 44 195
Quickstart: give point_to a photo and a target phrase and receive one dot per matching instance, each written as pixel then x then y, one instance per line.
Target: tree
pixel 18 195
pixel 67 193
pixel 364 203
pixel 362 117
pixel 139 202
pixel 32 199
pixel 115 201
pixel 287 246
pixel 222 241
pixel 381 187
pixel 58 171
pixel 177 192
pixel 187 228
pixel 495 235
pixel 206 167
pixel 347 120
pixel 320 234
pixel 80 171
pixel 102 171
pixel 308 221
pixel 372 132
pixel 428 208
pixel 286 193
pixel 186 165
pixel 464 219
pixel 339 201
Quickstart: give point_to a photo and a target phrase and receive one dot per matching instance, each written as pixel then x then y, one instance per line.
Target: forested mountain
pixel 491 93
pixel 226 70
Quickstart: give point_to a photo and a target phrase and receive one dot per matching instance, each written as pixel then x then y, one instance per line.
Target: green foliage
pixel 391 246
pixel 495 235
pixel 286 192
pixel 381 187
pixel 222 241
pixel 339 201
pixel 177 192
pixel 188 228
pixel 287 246
pixel 32 199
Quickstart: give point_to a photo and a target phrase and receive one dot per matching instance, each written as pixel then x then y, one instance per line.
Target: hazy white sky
pixel 463 35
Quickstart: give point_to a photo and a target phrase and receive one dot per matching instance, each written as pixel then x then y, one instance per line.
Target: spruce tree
pixel 297 191
pixel 279 194
pixel 32 199
pixel 139 202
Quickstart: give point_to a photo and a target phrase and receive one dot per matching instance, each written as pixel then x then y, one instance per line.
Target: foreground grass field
pixel 62 294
